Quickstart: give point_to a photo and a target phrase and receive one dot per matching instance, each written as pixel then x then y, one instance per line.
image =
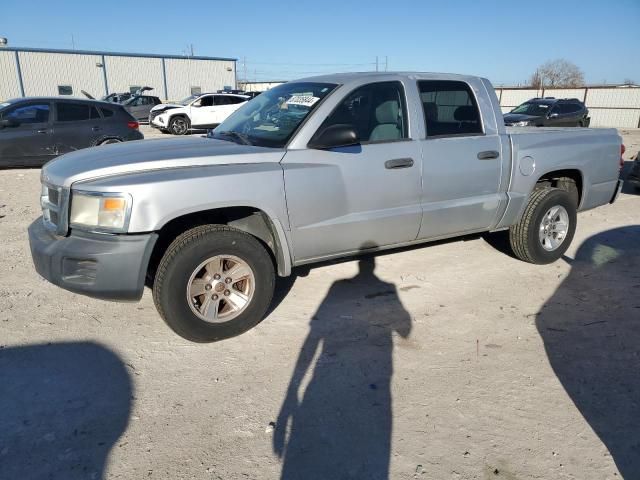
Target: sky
pixel 281 40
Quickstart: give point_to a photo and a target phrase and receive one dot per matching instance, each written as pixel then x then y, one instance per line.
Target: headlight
pixel 521 124
pixel 100 212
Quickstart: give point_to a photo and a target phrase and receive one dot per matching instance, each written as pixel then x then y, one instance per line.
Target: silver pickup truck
pixel 311 170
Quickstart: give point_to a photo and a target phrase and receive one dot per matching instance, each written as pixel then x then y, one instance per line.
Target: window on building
pixel 449 108
pixel 65 90
pixel 196 90
pixel 377 111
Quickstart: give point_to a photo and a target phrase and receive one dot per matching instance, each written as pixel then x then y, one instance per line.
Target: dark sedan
pixel 549 112
pixel 38 129
pixel 634 175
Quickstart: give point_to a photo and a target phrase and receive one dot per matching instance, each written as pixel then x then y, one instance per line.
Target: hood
pixel 145 155
pixel 165 106
pixel 518 117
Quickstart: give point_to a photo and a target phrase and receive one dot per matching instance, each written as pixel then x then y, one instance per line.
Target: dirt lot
pixel 452 361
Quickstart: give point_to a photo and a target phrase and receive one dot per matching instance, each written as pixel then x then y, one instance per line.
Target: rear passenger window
pixel 377 112
pixel 449 108
pixel 106 112
pixel 94 113
pixel 73 112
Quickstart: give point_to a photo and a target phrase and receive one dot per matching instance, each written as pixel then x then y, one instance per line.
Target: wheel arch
pixel 251 220
pixel 554 177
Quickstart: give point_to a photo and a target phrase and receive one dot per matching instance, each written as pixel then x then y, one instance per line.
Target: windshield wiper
pixel 243 139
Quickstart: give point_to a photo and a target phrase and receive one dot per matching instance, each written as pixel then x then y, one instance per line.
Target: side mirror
pixel 9 122
pixel 340 135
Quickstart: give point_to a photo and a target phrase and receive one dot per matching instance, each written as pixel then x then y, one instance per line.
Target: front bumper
pixel 110 267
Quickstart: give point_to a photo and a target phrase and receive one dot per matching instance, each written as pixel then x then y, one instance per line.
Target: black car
pixel 549 112
pixel 634 175
pixel 37 129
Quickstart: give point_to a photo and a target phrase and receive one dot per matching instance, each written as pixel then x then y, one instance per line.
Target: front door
pixel 203 112
pixel 462 164
pixel 27 140
pixel 352 198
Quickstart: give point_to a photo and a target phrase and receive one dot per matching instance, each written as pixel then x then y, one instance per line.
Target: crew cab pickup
pixel 311 170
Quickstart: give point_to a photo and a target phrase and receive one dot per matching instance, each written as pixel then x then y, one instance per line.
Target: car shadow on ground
pixel 627 187
pixel 62 408
pixel 591 333
pixel 340 425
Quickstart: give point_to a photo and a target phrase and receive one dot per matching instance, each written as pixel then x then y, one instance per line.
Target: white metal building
pixel 258 86
pixel 609 106
pixel 33 71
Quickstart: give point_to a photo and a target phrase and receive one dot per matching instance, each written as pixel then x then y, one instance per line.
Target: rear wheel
pixel 546 228
pixel 109 141
pixel 213 282
pixel 179 125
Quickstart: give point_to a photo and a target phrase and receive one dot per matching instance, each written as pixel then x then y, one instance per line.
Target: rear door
pixel 140 107
pixel 461 160
pixel 28 142
pixel 77 125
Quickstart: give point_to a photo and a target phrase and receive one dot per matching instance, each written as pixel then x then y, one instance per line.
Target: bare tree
pixel 629 81
pixel 557 74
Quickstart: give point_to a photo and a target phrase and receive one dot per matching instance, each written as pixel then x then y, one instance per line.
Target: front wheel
pixel 546 228
pixel 213 282
pixel 179 125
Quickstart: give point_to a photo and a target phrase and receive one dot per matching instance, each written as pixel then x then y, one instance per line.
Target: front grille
pixel 52 201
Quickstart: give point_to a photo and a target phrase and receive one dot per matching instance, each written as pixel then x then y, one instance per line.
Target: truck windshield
pixel 271 118
pixel 536 109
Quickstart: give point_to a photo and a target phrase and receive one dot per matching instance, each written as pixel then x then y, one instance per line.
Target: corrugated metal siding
pixel 125 72
pixel 613 97
pixel 210 76
pixel 614 118
pixel 258 86
pixel 513 98
pixel 43 72
pixel 9 85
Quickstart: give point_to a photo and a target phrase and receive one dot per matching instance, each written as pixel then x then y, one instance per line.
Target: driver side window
pixel 27 114
pixel 376 111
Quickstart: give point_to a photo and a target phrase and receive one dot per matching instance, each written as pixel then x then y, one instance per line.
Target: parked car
pixel 37 129
pixel 140 106
pixel 549 112
pixel 634 175
pixel 197 111
pixel 308 171
pixel 119 97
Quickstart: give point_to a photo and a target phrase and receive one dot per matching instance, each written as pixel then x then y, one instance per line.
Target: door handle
pixel 488 155
pixel 43 130
pixel 95 129
pixel 398 163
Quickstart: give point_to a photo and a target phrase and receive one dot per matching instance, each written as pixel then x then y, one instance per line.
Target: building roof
pixel 113 54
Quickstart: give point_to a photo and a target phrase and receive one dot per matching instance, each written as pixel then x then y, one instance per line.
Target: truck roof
pixel 343 78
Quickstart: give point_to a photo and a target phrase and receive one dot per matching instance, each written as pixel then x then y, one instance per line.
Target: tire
pixel 526 237
pixel 110 141
pixel 179 125
pixel 183 265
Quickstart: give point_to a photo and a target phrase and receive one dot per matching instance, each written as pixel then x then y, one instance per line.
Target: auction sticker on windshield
pixel 303 100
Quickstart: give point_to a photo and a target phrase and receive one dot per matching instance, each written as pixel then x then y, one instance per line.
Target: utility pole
pixel 244 64
pixel 191 48
pixel 73 43
pixel 386 63
pixel 376 63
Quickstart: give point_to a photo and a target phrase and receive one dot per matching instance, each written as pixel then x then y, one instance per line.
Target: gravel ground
pixel 451 361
